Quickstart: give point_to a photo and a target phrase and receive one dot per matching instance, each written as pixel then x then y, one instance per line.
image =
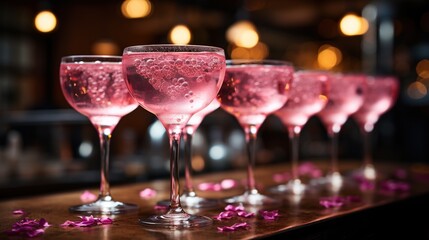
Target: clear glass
pixel 174 82
pixel 251 91
pixel 94 86
pixel 307 96
pixel 346 93
pixel 189 197
pixel 380 96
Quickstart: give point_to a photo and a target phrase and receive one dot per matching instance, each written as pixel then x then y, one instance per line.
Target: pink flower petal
pixel 18 212
pixel 148 193
pixel 160 207
pixel 330 204
pixel 225 215
pixel 309 169
pixel 395 186
pixel 87 196
pixel 269 215
pixel 87 221
pixel 245 214
pixel 233 211
pixel 367 185
pixel 234 227
pixel 28 227
pixel 338 201
pixel 281 177
pixel 210 186
pixel 228 183
pixel 230 207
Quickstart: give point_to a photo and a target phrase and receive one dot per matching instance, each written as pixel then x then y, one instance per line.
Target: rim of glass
pixel 172 48
pixel 245 62
pixel 91 58
pixel 316 71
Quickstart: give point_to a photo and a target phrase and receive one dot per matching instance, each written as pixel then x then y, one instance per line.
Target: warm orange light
pixel 328 57
pixel 417 90
pixel 136 8
pixel 260 51
pixel 243 34
pixel 180 34
pixel 198 163
pixel 45 21
pixel 352 25
pixel 105 47
pixel 422 68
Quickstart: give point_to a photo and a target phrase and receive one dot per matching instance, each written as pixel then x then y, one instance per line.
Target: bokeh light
pixel 328 57
pixel 243 34
pixel 45 21
pixel 416 90
pixel 180 34
pixel 136 8
pixel 422 68
pixel 352 25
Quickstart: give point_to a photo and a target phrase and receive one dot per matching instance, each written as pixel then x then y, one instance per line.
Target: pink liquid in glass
pixel 379 97
pixel 97 90
pixel 345 96
pixel 251 92
pixel 307 97
pixel 174 85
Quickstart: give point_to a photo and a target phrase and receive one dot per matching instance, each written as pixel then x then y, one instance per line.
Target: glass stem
pixel 294 132
pixel 174 174
pixel 251 132
pixel 105 136
pixel 367 148
pixel 334 152
pixel 189 188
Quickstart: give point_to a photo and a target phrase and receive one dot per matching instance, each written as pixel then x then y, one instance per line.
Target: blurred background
pixel 46 146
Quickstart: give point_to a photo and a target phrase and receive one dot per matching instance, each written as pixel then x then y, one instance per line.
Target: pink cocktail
pixel 174 82
pixel 380 96
pixel 307 96
pixel 95 87
pixel 251 91
pixel 346 94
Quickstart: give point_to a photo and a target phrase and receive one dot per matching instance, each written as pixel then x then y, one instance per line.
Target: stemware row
pixel 182 84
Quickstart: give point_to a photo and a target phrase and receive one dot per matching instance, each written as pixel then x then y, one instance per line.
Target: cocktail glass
pixel 94 86
pixel 307 96
pixel 174 82
pixel 251 91
pixel 380 96
pixel 346 93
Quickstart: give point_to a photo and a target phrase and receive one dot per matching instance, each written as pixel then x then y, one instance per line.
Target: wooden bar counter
pixel 374 214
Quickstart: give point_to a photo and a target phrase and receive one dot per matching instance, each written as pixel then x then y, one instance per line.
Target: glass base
pixel 253 198
pixel 367 172
pixel 294 186
pixel 104 207
pixel 176 221
pixel 193 201
pixel 334 181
